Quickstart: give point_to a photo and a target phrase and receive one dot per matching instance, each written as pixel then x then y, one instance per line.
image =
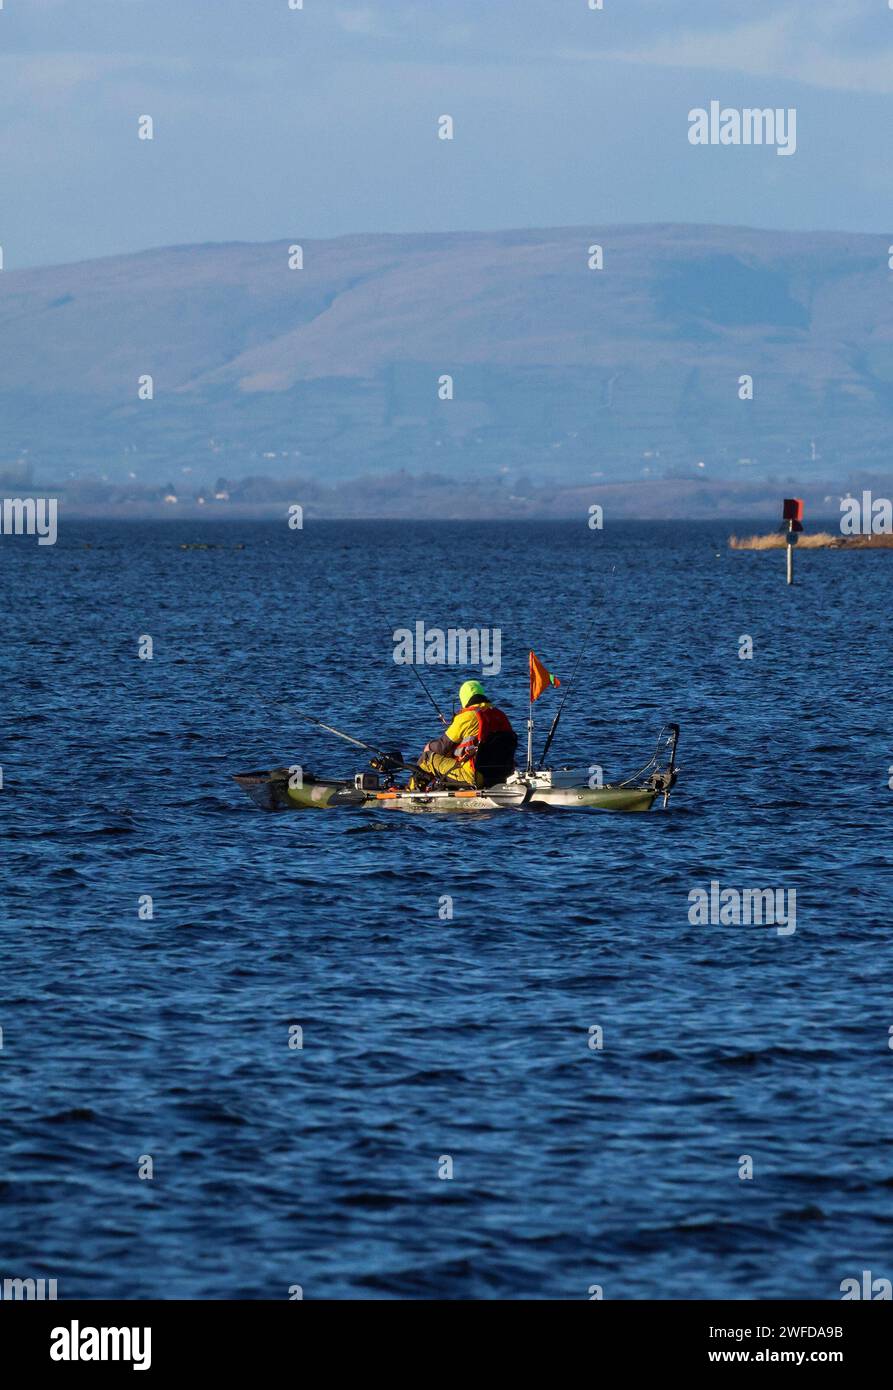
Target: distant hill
pixel 563 376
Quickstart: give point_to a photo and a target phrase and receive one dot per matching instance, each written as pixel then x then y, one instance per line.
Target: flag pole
pixel 530 737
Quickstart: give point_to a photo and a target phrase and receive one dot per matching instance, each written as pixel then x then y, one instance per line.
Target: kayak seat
pixel 495 758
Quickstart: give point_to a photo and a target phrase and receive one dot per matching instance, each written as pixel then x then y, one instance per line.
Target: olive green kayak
pixel 280 791
pixel 568 789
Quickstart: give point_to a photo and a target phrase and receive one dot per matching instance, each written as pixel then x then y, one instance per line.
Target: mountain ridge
pixel 561 374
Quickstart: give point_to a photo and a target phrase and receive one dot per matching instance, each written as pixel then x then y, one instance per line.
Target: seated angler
pixel 477 748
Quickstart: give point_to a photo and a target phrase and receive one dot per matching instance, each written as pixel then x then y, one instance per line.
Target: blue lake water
pixel 425 1038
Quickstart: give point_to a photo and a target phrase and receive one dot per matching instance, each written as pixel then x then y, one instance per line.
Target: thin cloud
pixel 360 21
pixel 778 47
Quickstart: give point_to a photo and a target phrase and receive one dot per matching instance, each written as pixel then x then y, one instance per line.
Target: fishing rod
pixel 514 797
pixel 441 716
pixel 348 738
pixel 551 733
pixel 391 761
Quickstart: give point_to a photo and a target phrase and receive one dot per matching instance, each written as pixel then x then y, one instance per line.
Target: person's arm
pixel 444 744
pixel 452 735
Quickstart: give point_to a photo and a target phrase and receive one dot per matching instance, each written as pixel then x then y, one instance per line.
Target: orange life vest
pixel 490 721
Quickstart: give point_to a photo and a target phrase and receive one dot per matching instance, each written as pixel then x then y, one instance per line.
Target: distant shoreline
pixel 278 512
pixel 817 540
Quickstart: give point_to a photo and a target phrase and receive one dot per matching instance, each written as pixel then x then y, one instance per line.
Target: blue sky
pixel 272 122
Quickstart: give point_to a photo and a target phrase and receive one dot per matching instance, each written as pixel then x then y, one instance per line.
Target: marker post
pixel 793 515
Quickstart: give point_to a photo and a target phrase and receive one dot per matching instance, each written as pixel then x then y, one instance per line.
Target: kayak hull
pixel 279 791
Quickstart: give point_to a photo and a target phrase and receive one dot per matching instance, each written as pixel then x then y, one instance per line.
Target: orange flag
pixel 540 678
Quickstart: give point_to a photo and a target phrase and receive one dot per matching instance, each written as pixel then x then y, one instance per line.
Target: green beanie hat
pixel 469 690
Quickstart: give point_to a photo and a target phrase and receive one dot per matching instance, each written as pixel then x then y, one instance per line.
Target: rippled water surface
pixel 425 1038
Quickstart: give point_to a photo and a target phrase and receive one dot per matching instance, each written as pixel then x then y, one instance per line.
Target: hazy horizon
pixel 322 122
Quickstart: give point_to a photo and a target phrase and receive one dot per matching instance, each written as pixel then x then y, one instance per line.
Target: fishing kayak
pixel 295 789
